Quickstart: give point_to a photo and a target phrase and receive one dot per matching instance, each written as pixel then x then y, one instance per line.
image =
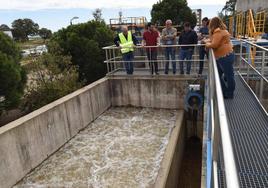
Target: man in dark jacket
pixel 187 37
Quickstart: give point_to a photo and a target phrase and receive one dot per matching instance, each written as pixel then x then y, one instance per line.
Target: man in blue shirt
pixel 187 37
pixel 203 33
pixel 169 34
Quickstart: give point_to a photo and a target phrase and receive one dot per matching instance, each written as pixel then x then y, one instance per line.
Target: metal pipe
pixel 249 65
pixel 159 46
pixel 142 61
pixel 252 44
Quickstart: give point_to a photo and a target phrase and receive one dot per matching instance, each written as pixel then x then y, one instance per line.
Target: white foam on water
pixel 124 147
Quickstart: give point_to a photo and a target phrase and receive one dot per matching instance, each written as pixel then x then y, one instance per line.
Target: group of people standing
pixel 213 34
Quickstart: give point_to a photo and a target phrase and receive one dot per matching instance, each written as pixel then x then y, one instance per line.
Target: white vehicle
pixel 25 53
pixel 41 49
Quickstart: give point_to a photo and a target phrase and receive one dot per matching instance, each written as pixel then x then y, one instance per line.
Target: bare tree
pixel 97 14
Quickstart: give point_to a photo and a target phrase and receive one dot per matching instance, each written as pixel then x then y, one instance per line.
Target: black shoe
pixel 166 72
pixel 157 73
pixel 228 96
pixel 182 72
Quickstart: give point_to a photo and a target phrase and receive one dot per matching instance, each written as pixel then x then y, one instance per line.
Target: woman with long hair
pixel 223 50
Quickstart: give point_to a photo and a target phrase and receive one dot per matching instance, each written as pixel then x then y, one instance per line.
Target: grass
pixel 28 61
pixel 30 43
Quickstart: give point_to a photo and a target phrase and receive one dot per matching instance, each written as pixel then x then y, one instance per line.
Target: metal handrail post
pixel 115 67
pixel 107 58
pixel 262 73
pixel 241 51
pixel 110 56
pixel 248 69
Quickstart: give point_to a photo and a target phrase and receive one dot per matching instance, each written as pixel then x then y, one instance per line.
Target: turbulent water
pixel 122 148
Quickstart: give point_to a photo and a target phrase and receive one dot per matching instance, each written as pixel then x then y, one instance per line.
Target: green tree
pixel 45 33
pixel 21 28
pixel 52 76
pixel 12 75
pixel 84 43
pixel 176 10
pixel 229 7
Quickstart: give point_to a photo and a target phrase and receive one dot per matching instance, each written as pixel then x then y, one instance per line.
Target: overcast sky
pixel 55 14
pixel 61 4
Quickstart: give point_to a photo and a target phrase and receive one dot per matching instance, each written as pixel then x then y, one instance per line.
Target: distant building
pixel 5 29
pixel 9 33
pixel 255 5
pixel 198 13
pixel 34 37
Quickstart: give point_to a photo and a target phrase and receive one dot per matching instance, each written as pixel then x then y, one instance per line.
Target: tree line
pixel 23 28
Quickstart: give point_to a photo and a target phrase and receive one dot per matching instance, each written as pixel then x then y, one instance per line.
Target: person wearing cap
pixel 169 34
pixel 188 37
pixel 126 41
pixel 151 38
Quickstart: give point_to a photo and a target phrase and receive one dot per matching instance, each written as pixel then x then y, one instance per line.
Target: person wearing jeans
pixel 186 54
pixel 187 37
pixel 151 38
pixel 170 53
pixel 128 58
pixel 126 41
pixel 223 50
pixel 152 57
pixel 169 38
pixel 226 74
pixel 203 33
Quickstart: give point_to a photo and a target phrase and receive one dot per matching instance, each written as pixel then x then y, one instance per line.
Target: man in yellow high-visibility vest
pixel 126 41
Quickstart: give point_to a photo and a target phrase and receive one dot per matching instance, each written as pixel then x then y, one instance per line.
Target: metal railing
pixel 255 76
pixel 114 60
pixel 218 132
pixel 218 129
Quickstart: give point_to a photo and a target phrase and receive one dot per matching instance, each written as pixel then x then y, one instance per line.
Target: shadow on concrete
pixel 190 173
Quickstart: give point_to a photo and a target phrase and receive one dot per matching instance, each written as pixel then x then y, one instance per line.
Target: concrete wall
pixel 155 92
pixel 26 142
pixel 256 5
pixel 168 175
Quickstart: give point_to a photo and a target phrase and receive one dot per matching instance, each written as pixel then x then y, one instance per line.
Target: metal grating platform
pixel 249 132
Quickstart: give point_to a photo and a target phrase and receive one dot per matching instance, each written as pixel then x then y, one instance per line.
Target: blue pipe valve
pixel 194 99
